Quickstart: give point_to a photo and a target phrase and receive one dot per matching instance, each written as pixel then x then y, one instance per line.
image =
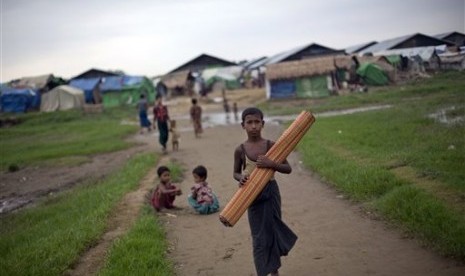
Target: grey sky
pixel 151 37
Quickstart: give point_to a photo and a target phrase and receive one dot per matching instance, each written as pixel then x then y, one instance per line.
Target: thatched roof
pixel 176 79
pixel 305 67
pixel 318 66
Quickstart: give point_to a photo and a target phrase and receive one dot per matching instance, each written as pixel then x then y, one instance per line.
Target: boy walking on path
pixel 271 237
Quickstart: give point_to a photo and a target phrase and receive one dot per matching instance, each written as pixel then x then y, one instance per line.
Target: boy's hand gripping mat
pixel 259 177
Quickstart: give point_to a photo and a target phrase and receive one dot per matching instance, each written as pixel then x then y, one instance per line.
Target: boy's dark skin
pixel 256 148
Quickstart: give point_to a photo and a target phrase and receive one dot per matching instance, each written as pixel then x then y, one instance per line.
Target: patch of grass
pixel 51 136
pixel 47 239
pixel 362 182
pixel 142 251
pixel 363 155
pixel 425 216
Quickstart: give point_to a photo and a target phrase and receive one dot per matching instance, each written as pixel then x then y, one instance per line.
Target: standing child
pixel 174 135
pixel 196 116
pixel 235 110
pixel 271 237
pixel 165 192
pixel 202 198
pixel 160 119
pixel 142 106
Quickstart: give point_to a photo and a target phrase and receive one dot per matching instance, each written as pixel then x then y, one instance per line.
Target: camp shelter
pixel 125 90
pixel 455 37
pixel 202 62
pixel 222 77
pixel 175 82
pixel 307 78
pixel 308 51
pixel 18 100
pixel 91 88
pixel 39 84
pixel 63 97
pixel 407 41
pixel 372 74
pixel 452 61
pixel 95 74
pixel 426 56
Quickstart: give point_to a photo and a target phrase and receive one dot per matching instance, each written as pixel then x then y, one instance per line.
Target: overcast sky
pixel 152 37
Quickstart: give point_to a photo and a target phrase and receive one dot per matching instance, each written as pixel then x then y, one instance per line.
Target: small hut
pixel 307 78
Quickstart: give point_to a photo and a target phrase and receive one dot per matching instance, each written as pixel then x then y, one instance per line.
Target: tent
pixel 90 87
pixel 229 76
pixel 18 100
pixel 62 97
pixel 372 74
pixel 126 90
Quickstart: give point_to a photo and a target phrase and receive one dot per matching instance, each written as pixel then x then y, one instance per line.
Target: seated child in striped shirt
pixel 202 198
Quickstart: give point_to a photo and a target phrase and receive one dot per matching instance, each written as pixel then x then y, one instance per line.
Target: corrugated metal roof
pixel 392 43
pixel 253 61
pixel 359 47
pixel 443 35
pixel 279 56
pixel 283 55
pixel 386 44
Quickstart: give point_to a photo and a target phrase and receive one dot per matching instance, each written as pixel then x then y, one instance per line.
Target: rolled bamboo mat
pixel 259 177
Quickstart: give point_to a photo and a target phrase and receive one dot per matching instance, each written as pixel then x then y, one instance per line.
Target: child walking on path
pixel 196 117
pixel 160 119
pixel 271 237
pixel 174 135
pixel 202 198
pixel 143 106
pixel 165 192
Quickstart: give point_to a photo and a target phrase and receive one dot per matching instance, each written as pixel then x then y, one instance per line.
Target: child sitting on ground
pixel 202 198
pixel 165 192
pixel 175 135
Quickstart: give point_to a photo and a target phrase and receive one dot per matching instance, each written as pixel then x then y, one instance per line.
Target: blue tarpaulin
pixel 18 100
pixel 88 85
pixel 112 84
pixel 283 89
pixel 118 83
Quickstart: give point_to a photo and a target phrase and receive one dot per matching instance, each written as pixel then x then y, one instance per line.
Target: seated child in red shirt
pixel 165 192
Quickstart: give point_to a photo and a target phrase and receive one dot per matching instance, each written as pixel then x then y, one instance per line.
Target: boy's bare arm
pixel 237 174
pixel 237 170
pixel 265 162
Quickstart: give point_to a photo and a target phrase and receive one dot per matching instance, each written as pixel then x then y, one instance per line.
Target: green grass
pixel 142 251
pixel 47 239
pixel 368 156
pixel 52 138
pixel 426 217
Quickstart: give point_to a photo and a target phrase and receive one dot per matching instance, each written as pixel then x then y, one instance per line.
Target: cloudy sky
pixel 152 37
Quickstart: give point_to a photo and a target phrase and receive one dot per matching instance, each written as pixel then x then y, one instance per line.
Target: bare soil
pixel 336 236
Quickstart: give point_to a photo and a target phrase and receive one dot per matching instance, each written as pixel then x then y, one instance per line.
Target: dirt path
pixel 335 236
